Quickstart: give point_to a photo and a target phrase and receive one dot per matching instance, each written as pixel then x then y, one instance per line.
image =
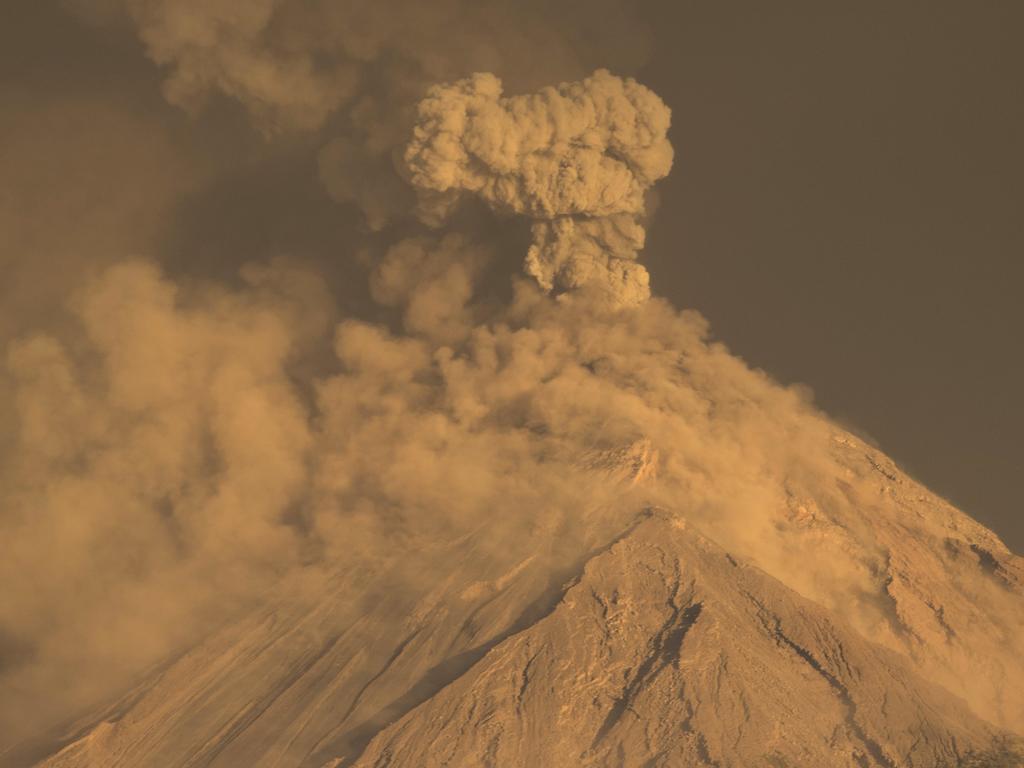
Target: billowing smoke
pixel 174 443
pixel 350 72
pixel 577 159
pixel 181 450
pixel 178 452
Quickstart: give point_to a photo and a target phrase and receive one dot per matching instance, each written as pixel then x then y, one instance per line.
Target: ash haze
pixel 344 423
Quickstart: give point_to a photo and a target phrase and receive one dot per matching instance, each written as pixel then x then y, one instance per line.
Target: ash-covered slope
pixel 633 641
pixel 866 621
pixel 669 652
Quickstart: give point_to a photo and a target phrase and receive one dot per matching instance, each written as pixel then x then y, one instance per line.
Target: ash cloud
pixel 349 74
pixel 183 449
pixel 353 75
pixel 165 449
pixel 577 159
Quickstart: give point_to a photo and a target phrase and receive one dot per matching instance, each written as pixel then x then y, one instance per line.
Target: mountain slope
pixel 659 649
pixel 670 652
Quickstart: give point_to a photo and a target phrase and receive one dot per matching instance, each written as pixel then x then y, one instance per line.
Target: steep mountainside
pixel 669 652
pixel 637 641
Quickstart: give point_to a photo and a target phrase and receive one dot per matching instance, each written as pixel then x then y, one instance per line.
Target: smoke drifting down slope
pixel 325 528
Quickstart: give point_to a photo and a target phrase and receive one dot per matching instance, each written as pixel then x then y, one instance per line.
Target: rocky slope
pixel 668 651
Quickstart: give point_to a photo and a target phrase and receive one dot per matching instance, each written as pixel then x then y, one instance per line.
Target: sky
pixel 270 270
pixel 845 209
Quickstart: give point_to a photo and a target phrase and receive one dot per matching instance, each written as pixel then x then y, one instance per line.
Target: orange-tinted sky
pixel 846 209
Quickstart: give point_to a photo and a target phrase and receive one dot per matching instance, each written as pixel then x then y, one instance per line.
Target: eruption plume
pixel 577 160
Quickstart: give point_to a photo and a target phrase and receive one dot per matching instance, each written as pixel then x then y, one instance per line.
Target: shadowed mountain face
pixel 634 640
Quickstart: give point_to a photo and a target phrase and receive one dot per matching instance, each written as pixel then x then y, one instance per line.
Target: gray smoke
pixel 577 159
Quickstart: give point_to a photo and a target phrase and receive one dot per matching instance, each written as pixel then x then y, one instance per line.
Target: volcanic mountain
pixel 636 640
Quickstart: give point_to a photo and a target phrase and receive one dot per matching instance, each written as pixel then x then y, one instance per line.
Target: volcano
pixel 637 641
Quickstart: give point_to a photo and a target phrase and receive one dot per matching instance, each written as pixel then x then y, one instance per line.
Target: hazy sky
pixel 846 209
pixel 844 206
